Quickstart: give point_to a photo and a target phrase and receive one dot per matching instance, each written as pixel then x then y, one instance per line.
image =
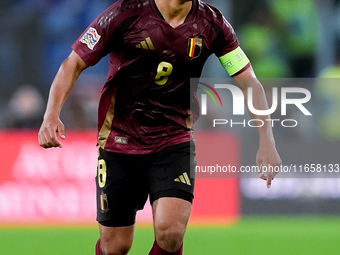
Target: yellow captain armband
pixel 234 61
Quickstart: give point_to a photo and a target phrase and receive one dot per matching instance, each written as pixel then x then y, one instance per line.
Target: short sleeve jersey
pixel 146 103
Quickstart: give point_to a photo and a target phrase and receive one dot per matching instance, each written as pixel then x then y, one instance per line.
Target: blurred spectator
pixel 25 108
pixel 81 108
pixel 262 44
pixel 332 71
pixel 64 21
pixel 300 22
pixel 328 90
pixel 7 3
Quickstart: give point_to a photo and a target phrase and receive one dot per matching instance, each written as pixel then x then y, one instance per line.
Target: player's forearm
pixel 62 85
pixel 246 80
pixel 259 103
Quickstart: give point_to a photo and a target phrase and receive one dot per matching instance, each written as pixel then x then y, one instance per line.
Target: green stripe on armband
pixel 234 61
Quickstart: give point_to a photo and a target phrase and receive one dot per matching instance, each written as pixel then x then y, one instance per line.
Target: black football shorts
pixel 125 181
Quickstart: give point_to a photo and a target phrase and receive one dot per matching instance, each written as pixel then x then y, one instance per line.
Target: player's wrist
pixel 51 116
pixel 267 140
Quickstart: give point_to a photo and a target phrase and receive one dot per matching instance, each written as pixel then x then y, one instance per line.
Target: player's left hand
pixel 268 160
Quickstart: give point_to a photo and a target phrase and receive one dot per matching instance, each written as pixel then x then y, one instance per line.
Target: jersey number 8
pixel 163 72
pixel 101 173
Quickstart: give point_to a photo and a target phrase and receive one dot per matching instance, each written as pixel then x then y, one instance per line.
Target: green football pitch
pixel 251 235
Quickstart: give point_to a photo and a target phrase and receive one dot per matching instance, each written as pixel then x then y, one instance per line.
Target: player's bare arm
pixel 267 153
pixel 62 85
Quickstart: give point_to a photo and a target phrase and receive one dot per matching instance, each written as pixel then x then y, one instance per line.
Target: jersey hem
pixel 187 137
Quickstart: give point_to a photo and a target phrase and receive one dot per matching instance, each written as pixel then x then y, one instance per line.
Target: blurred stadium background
pixel 47 197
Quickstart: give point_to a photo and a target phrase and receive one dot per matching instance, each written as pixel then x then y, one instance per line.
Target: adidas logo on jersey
pixel 146 44
pixel 184 178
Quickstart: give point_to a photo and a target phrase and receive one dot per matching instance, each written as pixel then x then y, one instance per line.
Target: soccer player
pixel 144 128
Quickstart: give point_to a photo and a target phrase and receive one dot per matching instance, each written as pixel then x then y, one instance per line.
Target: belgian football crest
pixel 104 204
pixel 194 47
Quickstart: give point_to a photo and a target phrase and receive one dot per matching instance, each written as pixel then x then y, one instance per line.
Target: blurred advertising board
pixel 56 186
pixel 312 187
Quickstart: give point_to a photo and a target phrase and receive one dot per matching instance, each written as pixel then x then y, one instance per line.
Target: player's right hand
pixel 267 155
pixel 48 133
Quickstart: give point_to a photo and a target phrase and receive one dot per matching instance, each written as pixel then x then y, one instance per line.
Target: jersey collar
pixel 189 17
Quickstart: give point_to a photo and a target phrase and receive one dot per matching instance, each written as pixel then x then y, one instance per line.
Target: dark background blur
pixel 283 38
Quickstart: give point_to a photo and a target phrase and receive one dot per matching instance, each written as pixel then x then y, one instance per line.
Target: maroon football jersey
pixel 145 103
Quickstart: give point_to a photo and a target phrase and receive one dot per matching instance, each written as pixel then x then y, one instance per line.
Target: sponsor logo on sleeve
pixel 90 38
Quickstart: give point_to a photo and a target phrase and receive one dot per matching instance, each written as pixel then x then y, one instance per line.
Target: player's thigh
pixel 171 183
